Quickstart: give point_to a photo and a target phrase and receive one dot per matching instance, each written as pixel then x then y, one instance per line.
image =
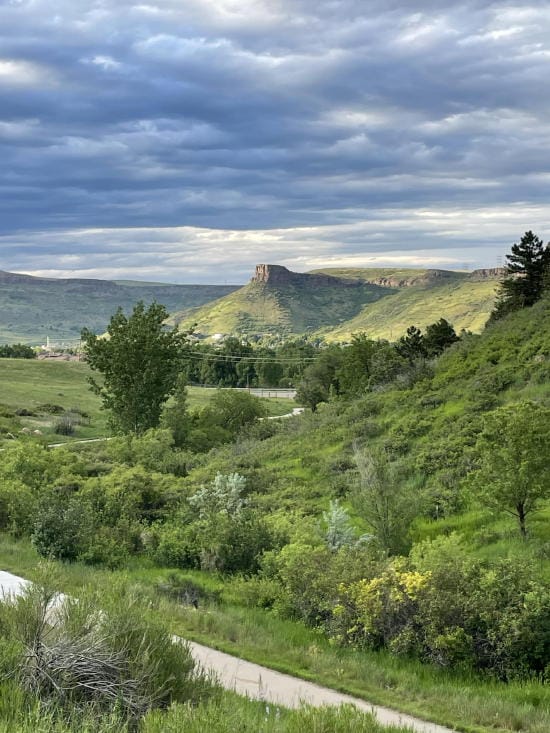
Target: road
pixel 261 683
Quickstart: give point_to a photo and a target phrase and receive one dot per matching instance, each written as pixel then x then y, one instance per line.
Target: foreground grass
pixel 467 702
pixel 225 712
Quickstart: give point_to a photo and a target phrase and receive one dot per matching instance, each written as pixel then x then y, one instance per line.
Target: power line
pixel 257 359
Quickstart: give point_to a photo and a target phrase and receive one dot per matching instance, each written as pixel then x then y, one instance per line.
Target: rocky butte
pixel 279 275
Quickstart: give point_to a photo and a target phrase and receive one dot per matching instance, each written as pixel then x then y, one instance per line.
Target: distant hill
pixel 421 297
pixel 33 308
pixel 278 301
pixel 335 303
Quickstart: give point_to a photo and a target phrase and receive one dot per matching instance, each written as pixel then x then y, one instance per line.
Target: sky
pixel 187 140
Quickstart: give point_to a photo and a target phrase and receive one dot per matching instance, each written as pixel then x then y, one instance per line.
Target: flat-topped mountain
pixel 279 302
pixel 34 308
pixel 336 302
pixel 279 275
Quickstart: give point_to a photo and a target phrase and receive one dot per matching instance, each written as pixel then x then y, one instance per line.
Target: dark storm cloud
pixel 130 132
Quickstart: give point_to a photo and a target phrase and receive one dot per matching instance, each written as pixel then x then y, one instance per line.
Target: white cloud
pixel 24 73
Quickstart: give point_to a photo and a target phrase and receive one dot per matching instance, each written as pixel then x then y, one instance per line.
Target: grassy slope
pixel 464 303
pixel 429 426
pixel 261 308
pixel 29 383
pixel 309 461
pixel 33 308
pixel 336 313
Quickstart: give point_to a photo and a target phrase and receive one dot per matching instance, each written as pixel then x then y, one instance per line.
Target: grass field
pixel 32 384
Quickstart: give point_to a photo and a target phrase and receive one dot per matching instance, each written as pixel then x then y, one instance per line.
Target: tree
pixel 411 346
pixel 513 474
pixel 383 500
pixel 439 336
pixel 527 270
pixel 320 378
pixel 139 361
pixel 176 417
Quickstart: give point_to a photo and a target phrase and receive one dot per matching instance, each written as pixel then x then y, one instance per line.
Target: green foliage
pixel 439 336
pixel 367 364
pixel 513 473
pixel 226 415
pixel 411 346
pixel 62 528
pixel 17 351
pixel 176 416
pixel 139 362
pixel 527 270
pixel 383 501
pixel 453 611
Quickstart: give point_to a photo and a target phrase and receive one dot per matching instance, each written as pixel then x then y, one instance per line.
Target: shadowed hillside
pixel 32 308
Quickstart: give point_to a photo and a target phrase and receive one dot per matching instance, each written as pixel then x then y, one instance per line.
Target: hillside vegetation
pixel 282 310
pixel 394 543
pixel 34 308
pixel 384 302
pixel 464 302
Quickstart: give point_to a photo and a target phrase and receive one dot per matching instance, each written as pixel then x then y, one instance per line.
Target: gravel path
pixel 262 683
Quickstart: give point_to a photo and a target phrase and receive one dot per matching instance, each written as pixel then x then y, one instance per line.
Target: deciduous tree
pixel 139 361
pixel 513 474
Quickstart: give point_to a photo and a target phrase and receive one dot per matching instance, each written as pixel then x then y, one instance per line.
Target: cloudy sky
pixel 186 140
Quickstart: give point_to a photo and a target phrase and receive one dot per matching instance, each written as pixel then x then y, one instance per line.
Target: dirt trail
pixel 261 683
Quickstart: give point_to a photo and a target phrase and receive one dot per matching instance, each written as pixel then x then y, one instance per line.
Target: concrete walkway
pixel 261 683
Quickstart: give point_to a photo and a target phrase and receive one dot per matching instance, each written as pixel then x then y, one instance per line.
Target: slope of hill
pixel 33 308
pixel 335 303
pixel 464 303
pixel 278 301
pixel 429 427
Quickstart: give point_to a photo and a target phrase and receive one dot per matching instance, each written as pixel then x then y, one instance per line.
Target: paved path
pixel 295 411
pixel 261 683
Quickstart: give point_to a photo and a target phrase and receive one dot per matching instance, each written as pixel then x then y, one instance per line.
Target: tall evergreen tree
pixel 411 346
pixel 527 272
pixel 439 336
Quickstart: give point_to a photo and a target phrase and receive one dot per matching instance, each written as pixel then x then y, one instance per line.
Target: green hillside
pixel 34 308
pixel 464 303
pixel 285 309
pixel 335 303
pixel 430 426
pixel 391 580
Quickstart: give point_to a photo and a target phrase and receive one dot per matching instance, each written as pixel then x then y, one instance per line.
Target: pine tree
pixel 527 273
pixel 411 346
pixel 439 336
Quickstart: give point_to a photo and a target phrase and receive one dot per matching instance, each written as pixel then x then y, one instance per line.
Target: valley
pixel 372 544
